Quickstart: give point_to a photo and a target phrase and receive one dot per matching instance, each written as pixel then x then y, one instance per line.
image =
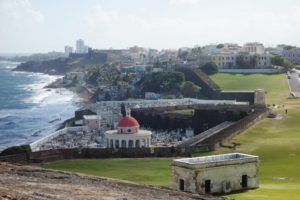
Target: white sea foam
pixel 51 104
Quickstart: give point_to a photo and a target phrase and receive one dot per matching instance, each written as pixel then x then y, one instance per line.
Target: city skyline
pixel 31 26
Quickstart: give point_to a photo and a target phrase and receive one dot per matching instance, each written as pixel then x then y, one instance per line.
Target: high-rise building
pixel 68 50
pixel 80 48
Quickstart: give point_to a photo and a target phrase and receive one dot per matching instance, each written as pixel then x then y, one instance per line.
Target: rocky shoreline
pixel 85 95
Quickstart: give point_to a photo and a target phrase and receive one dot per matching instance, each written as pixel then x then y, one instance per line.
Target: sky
pixel 32 26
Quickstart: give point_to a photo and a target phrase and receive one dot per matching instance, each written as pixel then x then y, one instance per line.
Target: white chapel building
pixel 128 135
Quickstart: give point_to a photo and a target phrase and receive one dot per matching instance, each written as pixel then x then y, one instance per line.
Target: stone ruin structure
pixel 223 173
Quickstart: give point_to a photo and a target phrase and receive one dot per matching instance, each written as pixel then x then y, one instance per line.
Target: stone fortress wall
pixel 78 153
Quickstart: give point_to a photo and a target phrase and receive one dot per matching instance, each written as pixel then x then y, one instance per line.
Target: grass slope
pixel 276 141
pixel 144 171
pixel 275 85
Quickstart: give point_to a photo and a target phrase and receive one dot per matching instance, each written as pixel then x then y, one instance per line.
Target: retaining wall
pixel 237 128
pixel 77 153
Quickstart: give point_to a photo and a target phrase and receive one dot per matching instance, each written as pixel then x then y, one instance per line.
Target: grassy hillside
pixel 144 171
pixel 276 141
pixel 275 85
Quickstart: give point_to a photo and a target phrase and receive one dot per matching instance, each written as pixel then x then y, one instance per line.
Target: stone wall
pixel 237 127
pixel 247 96
pixel 62 154
pixel 227 175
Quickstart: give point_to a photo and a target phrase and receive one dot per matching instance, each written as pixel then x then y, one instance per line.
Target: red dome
pixel 128 122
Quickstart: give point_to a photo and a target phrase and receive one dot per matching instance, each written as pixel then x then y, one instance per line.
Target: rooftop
pixel 217 159
pixel 91 117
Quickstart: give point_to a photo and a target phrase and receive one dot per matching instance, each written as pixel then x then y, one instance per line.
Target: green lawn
pixel 275 85
pixel 145 171
pixel 276 141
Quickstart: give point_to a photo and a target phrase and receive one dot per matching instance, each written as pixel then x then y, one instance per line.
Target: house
pixel 93 122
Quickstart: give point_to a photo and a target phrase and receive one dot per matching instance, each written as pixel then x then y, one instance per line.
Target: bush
pixel 161 82
pixel 189 89
pixel 210 68
pixel 16 150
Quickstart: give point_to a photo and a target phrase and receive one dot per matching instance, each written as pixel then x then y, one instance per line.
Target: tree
pixel 210 68
pixel 277 60
pixel 253 60
pixel 189 89
pixel 103 74
pixel 220 46
pixel 196 50
pixel 288 47
pixel 244 61
pixel 161 82
pixel 281 61
pixel 182 54
pixel 287 64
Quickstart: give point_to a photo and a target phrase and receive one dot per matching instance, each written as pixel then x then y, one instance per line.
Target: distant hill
pixel 60 66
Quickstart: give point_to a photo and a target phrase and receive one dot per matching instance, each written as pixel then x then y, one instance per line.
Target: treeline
pixel 279 60
pixel 100 74
pixel 168 83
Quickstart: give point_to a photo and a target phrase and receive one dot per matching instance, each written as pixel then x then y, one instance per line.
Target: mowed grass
pixel 275 85
pixel 275 141
pixel 145 171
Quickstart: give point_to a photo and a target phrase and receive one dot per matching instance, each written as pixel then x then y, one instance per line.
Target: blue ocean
pixel 28 111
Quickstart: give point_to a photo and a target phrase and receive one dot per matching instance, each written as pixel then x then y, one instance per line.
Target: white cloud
pixel 110 19
pixel 123 29
pixel 19 11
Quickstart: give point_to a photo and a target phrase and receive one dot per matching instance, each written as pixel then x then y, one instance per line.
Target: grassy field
pixel 276 141
pixel 275 85
pixel 144 171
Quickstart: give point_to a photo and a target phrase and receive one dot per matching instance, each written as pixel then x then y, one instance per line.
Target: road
pixel 294 82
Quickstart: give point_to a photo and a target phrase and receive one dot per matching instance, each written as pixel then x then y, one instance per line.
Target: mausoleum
pixel 128 135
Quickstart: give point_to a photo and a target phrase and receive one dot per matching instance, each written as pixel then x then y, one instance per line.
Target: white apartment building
pixel 80 47
pixel 224 60
pixel 68 50
pixel 227 60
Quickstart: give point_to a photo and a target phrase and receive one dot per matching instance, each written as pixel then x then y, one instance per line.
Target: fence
pixel 251 71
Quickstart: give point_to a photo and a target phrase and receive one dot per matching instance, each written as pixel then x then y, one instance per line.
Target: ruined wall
pixel 194 180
